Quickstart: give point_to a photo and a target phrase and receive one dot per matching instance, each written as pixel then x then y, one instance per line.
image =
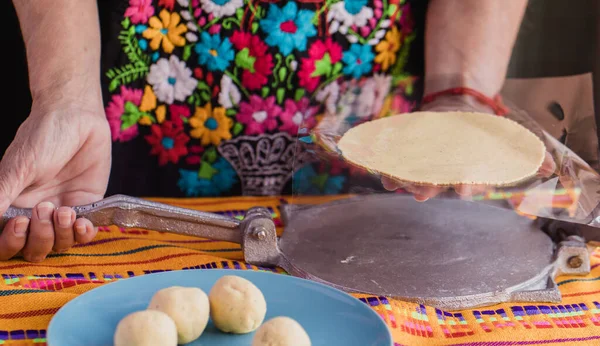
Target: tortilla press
pixel 451 254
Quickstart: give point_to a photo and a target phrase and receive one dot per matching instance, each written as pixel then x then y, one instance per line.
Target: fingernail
pixel 37 258
pixel 44 211
pixel 64 219
pixel 21 227
pixel 81 229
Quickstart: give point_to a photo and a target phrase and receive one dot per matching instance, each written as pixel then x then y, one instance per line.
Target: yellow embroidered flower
pixel 388 49
pixel 167 30
pixel 211 126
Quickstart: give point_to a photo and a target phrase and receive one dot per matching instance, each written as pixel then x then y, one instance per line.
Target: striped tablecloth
pixel 31 293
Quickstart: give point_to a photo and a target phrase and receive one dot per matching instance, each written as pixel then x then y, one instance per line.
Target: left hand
pixel 465 103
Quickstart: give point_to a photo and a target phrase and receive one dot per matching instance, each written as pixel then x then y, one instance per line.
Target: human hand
pixel 59 157
pixel 448 103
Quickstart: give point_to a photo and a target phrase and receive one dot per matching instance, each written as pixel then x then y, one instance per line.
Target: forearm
pixel 62 39
pixel 469 43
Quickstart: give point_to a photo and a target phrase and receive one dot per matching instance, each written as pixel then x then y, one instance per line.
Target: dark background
pixel 557 38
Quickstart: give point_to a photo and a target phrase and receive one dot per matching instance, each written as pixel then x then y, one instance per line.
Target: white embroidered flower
pixel 229 95
pixel 221 8
pixel 372 95
pixel 342 18
pixel 183 3
pixel 329 96
pixel 171 80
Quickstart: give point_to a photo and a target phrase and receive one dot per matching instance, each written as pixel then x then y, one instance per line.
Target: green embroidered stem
pixel 237 81
pixel 126 74
pixel 288 63
pixel 226 23
pixel 277 65
pixel 359 37
pixel 131 47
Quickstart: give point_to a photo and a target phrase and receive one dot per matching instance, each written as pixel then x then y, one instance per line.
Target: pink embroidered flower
pixel 259 115
pixel 116 109
pixel 139 11
pixel 297 114
pixel 253 58
pixel 322 56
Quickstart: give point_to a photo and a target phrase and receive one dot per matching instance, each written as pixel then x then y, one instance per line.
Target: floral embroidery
pixel 211 181
pixel 297 113
pixel 167 30
pixel 358 60
pixel 205 80
pixel 322 61
pixel 252 57
pixel 120 106
pixel 221 8
pixel 388 49
pixel 287 28
pixel 211 126
pixel 213 52
pixel 171 80
pixel 168 142
pixel 259 115
pixel 139 11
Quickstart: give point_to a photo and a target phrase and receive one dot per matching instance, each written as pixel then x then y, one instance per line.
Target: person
pixel 205 97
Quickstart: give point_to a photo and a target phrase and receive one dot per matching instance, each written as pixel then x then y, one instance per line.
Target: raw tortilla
pixel 445 148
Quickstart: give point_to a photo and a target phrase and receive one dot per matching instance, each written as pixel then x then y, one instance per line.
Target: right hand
pixel 59 157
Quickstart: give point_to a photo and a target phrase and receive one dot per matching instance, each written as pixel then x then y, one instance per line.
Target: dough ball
pixel 146 328
pixel 281 331
pixel 187 306
pixel 236 305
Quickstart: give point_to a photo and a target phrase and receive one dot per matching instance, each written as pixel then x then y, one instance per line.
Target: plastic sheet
pixel 571 193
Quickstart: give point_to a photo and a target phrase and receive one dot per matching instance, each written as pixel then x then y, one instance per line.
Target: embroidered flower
pixel 296 114
pixel 211 126
pixel 372 94
pixel 221 8
pixel 213 52
pixel 179 113
pixel 307 181
pixel 167 30
pixel 329 96
pixel 119 106
pixel 358 60
pixel 287 28
pixel 230 95
pixel 253 58
pixel 139 11
pixel 168 4
pixel 388 49
pixel 210 180
pixel 322 56
pixel 259 115
pixel 168 142
pixel 348 13
pixel 171 80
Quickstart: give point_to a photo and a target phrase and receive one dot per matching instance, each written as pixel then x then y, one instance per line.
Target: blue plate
pixel 329 316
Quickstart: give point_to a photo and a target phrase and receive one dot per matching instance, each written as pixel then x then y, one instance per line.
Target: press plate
pixel 449 253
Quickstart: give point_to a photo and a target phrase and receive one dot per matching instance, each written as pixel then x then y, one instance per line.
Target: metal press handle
pixel 126 211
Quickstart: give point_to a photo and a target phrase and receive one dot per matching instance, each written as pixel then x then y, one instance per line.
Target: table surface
pixel 30 293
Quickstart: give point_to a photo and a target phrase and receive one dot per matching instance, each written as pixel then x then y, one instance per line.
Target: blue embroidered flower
pixel 358 60
pixel 306 181
pixel 213 52
pixel 287 28
pixel 223 178
pixel 354 6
